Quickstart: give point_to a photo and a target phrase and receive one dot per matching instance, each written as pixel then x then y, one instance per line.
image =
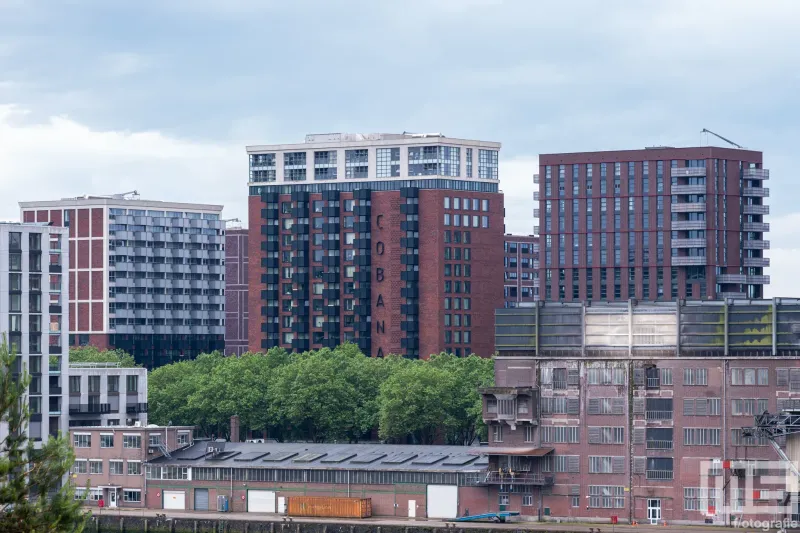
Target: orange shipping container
pixel 330 507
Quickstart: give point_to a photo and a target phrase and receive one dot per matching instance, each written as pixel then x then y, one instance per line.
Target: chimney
pixel 235 428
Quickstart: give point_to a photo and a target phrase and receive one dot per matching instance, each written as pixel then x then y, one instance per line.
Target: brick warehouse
pixel 145 276
pixel 385 240
pixel 654 224
pixel 629 399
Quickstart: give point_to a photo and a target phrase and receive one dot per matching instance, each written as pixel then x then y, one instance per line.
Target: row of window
pixel 115 467
pixel 458 220
pixel 113 228
pixel 84 440
pixel 422 161
pixel 114 211
pixel 524 247
pixel 557 377
pixel 466 204
pixel 128 495
pixel 162 245
pixel 112 384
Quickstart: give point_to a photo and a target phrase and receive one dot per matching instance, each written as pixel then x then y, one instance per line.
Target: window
pixel 529 433
pixel 497 433
pixel 134 468
pixel 695 376
pixel 701 436
pixel 74 384
pixel 388 162
pixel 606 435
pixel 115 468
pixel 700 498
pixel 503 499
pixel 132 441
pixel 748 406
pixel 107 440
pixel 749 376
pixel 701 406
pixel 113 383
pixel 560 434
pixel 606 464
pixel 737 439
pixel 95 467
pixel 132 383
pixel 606 376
pixel 182 439
pixel 487 164
pixel 81 466
pixel 132 496
pixel 606 497
pixel 82 440
pixel 356 163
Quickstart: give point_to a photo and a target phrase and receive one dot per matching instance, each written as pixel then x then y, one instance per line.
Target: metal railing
pixel 516 478
pixel 85 409
pixel 559 384
pixel 660 475
pixel 659 445
pixel 687 172
pixel 654 383
pixel 658 415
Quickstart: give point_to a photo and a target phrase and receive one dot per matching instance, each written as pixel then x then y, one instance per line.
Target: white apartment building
pixel 33 318
pixel 106 394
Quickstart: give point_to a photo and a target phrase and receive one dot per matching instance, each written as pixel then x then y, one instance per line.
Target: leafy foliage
pixel 325 395
pixel 92 354
pixel 31 496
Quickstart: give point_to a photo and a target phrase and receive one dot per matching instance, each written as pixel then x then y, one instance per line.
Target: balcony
pixel 756 261
pixel 688 224
pixel 756 226
pixel 658 415
pixel 688 243
pixel 55 391
pixel 136 408
pixel 660 475
pixel 755 209
pixel 494 477
pixel 688 260
pixel 511 404
pixel 732 295
pixel 688 189
pixel 90 409
pixel 654 382
pixel 758 280
pixel 749 244
pixel 762 192
pixel 687 172
pixel 659 444
pixel 731 278
pixel 694 207
pixel 755 174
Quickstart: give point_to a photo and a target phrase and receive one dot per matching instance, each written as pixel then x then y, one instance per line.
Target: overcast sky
pixel 161 96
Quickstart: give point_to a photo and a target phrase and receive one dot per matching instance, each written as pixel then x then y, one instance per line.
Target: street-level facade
pixel 33 319
pixel 654 224
pixel 520 269
pixel 615 409
pixel 110 461
pixel 390 241
pixel 145 276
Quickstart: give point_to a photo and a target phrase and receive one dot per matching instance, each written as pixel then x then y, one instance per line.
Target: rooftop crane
pixel 723 138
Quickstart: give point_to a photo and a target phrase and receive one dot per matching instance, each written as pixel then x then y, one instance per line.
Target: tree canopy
pixel 32 498
pixel 92 354
pixel 327 395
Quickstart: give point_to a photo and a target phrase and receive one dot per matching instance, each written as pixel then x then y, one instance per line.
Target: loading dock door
pixel 175 500
pixel 260 501
pixel 201 499
pixel 442 501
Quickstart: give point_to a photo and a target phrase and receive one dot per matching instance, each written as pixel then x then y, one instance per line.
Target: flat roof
pixel 344 140
pixel 328 456
pixel 648 154
pixel 89 200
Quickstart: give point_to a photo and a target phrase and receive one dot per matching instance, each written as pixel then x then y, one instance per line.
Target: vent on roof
pixel 278 457
pixel 252 456
pixel 338 458
pixel 368 458
pixel 430 459
pixel 459 460
pixel 308 457
pixel 400 458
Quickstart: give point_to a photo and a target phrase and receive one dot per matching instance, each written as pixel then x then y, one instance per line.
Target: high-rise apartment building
pixel 236 297
pixel 521 274
pixel 390 241
pixel 33 316
pixel 653 224
pixel 145 276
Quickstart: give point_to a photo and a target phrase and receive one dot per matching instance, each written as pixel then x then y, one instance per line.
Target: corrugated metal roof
pixel 528 452
pixel 395 457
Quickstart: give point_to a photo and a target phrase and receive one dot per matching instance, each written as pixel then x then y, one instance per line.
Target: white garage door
pixel 442 501
pixel 260 501
pixel 175 500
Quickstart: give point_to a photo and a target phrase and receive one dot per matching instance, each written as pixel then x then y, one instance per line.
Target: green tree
pixel 92 354
pixel 32 497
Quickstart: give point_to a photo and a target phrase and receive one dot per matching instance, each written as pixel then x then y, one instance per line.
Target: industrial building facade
pixel 520 269
pixel 653 224
pixel 612 409
pixel 145 276
pixel 387 240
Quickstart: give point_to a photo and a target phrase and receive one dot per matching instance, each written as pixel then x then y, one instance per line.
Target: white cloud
pixel 60 157
pixel 124 64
